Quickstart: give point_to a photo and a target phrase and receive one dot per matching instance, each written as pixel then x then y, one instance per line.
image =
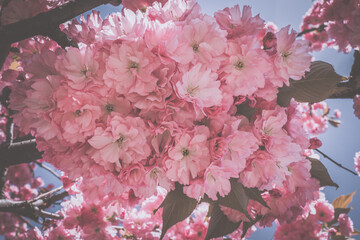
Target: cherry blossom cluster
pixel 20 184
pixel 317 222
pixel 337 24
pixel 167 95
pixel 315 117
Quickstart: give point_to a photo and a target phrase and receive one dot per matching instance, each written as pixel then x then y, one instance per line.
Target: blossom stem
pixel 336 163
pixel 318 29
pixel 34 208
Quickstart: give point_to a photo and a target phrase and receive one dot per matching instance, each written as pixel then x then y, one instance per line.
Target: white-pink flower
pixel 357 162
pixel 129 68
pixel 200 86
pixel 292 58
pixel 122 143
pixel 79 66
pixel 246 67
pixel 188 158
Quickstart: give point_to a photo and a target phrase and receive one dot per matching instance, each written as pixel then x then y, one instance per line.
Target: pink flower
pixel 324 211
pixel 188 158
pixel 205 40
pixel 237 24
pixel 262 171
pixel 357 162
pixel 126 25
pixel 87 30
pixel 270 43
pixel 346 225
pixel 121 144
pixel 79 115
pixel 134 175
pixel 356 106
pixel 200 86
pixel 292 58
pixel 19 174
pixel 130 68
pixel 246 67
pixel 140 4
pixel 59 233
pixel 315 143
pixel 217 180
pixel 218 148
pixel 79 66
pixel 240 146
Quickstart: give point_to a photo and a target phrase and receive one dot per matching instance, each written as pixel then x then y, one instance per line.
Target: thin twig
pixel 44 195
pixel 34 208
pixel 318 29
pixel 48 169
pixel 336 163
pixel 22 143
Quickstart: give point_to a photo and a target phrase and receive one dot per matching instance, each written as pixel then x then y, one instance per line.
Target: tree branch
pixel 318 29
pixel 336 163
pixel 34 208
pixel 19 152
pixel 46 24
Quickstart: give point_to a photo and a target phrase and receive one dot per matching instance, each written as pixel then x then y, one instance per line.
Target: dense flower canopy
pixel 159 96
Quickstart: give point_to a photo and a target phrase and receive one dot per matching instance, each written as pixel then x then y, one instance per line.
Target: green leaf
pixel 236 199
pixel 255 194
pixel 317 85
pixel 319 171
pixel 176 207
pixel 219 224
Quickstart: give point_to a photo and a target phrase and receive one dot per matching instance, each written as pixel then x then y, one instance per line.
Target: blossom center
pixel 195 47
pixel 191 90
pixel 185 152
pixel 133 65
pixel 109 108
pixel 86 72
pixel 79 112
pixel 121 139
pixel 239 65
pixel 285 55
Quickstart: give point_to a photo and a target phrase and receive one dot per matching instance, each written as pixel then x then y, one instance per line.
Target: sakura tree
pixel 168 123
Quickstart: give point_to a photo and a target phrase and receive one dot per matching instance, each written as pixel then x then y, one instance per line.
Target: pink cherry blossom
pixel 357 162
pixel 130 68
pixel 346 225
pixel 356 106
pixel 122 143
pixel 324 211
pixel 292 59
pixel 200 86
pixel 239 24
pixel 188 158
pixel 246 67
